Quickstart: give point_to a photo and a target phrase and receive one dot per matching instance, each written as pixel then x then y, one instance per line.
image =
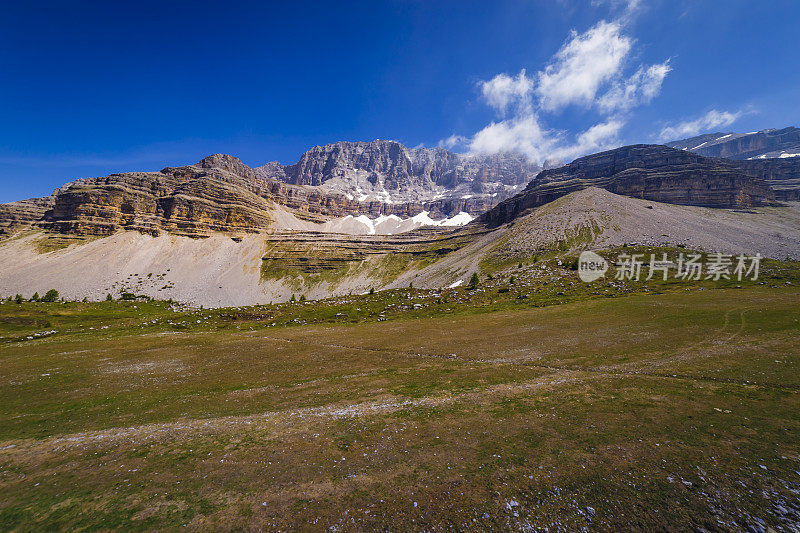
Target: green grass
pixel 50 242
pixel 304 265
pixel 659 407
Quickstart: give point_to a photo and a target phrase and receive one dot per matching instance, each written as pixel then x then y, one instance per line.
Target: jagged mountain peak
pixel 228 163
pixel 388 143
pixel 213 160
pixel 387 171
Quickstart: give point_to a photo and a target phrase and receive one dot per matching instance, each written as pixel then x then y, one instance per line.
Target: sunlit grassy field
pixel 672 411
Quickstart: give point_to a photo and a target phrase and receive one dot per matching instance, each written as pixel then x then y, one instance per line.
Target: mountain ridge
pixel 652 172
pixel 220 271
pixel 764 144
pixel 221 193
pixel 386 170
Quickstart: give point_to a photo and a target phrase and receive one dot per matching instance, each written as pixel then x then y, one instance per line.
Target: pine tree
pixel 50 296
pixel 474 281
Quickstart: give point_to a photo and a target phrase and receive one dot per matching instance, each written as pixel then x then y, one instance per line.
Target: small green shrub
pixel 50 296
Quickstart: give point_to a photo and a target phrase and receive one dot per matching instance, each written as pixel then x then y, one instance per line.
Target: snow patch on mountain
pixel 364 225
pixel 391 224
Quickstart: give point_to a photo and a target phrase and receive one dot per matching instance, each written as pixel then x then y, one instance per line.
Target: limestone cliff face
pixel 764 144
pixel 16 215
pixel 219 193
pixel 388 171
pixel 772 154
pixel 650 172
pixel 183 201
pixel 782 174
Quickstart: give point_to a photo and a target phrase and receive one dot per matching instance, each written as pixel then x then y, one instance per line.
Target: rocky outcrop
pixel 230 164
pixel 313 252
pixel 651 172
pixel 181 201
pixel 389 172
pixel 219 193
pixel 773 155
pixel 782 174
pixel 16 215
pixel 764 144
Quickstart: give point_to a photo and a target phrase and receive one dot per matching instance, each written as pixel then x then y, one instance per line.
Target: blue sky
pixel 90 88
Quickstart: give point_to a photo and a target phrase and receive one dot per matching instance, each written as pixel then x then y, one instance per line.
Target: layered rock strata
pixel 651 172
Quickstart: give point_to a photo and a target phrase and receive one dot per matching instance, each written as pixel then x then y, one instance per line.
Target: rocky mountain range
pixel 260 268
pixel 389 172
pixel 771 154
pixel 651 172
pixel 219 232
pixel 386 179
pixel 764 144
pixel 221 193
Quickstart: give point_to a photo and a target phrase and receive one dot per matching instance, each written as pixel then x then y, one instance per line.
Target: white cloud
pixel 502 91
pixel 582 65
pixel 712 119
pixel 526 135
pixel 599 137
pixel 638 89
pixel 522 134
pixel 453 141
pixel 589 70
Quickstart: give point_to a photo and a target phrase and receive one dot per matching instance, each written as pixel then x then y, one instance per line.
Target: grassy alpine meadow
pixel 516 404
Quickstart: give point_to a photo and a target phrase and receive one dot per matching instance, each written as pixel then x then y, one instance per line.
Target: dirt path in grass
pixel 286 420
pixel 292 420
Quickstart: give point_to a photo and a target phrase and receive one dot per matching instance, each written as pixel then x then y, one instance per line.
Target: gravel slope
pixel 219 271
pixel 615 220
